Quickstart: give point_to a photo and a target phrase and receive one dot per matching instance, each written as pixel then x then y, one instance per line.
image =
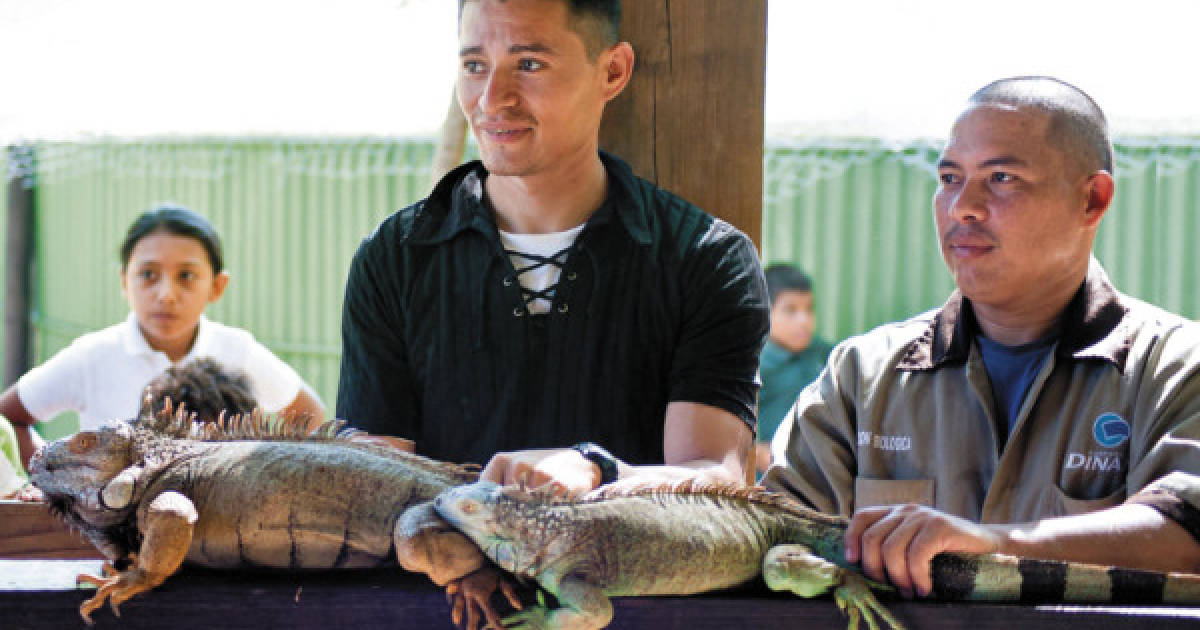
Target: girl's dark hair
pixel 179 221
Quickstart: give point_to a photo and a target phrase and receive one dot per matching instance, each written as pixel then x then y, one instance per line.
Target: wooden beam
pixel 691 119
pixel 29 530
pixel 42 594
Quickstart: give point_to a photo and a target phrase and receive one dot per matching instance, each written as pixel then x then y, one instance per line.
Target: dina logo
pixel 1110 430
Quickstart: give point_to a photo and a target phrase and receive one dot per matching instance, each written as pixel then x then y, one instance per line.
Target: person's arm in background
pixel 305 404
pixel 762 457
pixel 22 422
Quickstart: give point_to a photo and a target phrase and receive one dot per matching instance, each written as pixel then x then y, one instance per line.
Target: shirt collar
pixel 773 354
pixel 134 341
pixel 456 204
pixel 1091 328
pixel 204 340
pixel 136 345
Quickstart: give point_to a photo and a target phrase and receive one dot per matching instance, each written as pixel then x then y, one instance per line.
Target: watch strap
pixel 599 456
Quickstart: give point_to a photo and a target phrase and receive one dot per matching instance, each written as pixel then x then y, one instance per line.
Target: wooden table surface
pixel 36 594
pixel 28 530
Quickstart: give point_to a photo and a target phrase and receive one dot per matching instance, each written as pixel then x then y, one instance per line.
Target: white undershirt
pixel 545 245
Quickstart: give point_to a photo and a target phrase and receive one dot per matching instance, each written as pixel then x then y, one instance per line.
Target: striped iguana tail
pixel 1003 578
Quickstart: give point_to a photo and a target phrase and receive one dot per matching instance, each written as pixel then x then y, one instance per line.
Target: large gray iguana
pixel 248 491
pixel 681 539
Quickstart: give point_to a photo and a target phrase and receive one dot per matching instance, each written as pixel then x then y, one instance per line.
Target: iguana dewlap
pixel 255 492
pixel 681 540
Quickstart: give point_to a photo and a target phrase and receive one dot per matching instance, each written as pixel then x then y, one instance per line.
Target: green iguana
pixel 248 491
pixel 681 539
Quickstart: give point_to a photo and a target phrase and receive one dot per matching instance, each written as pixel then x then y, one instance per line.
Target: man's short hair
pixel 784 277
pixel 598 22
pixel 1077 125
pixel 202 386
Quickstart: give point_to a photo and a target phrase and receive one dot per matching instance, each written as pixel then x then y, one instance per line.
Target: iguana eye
pixel 83 443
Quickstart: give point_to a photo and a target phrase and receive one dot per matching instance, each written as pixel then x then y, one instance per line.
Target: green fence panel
pixel 290 212
pixel 857 216
pixel 4 166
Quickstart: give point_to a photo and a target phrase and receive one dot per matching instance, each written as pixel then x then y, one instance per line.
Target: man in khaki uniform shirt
pixel 1039 412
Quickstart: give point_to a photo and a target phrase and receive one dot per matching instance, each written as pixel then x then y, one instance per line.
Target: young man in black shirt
pixel 545 296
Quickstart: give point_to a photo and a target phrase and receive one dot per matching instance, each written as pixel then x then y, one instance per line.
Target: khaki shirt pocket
pixel 873 492
pixel 1059 503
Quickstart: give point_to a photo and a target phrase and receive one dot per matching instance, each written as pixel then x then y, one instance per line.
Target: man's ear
pixel 618 68
pixel 1100 191
pixel 220 281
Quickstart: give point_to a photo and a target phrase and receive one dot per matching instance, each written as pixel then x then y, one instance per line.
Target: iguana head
pixel 88 475
pixel 425 543
pixel 502 520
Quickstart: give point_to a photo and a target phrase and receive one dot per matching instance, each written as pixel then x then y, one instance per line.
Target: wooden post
pixel 18 262
pixel 691 119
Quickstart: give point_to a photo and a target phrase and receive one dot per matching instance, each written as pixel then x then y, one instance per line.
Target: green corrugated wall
pixel 856 214
pixel 3 232
pixel 291 214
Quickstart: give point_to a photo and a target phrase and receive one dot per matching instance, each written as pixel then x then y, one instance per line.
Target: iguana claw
pixel 116 589
pixel 856 601
pixel 531 618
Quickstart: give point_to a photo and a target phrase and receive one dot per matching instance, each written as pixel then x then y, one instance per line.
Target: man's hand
pixel 472 595
pixel 568 472
pixel 897 543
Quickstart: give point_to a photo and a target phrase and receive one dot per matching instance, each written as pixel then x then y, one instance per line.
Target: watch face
pixel 602 458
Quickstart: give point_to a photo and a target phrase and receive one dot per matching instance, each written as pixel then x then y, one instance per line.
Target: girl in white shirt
pixel 171 269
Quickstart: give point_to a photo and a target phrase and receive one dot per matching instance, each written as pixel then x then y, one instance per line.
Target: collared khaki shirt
pixel 904 414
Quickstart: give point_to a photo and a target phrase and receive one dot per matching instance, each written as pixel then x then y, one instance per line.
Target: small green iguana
pixel 247 491
pixel 676 540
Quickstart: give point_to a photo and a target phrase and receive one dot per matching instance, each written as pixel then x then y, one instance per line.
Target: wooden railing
pixel 28 530
pixel 40 558
pixel 36 594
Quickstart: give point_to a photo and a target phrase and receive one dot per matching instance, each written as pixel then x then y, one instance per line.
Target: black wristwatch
pixel 601 457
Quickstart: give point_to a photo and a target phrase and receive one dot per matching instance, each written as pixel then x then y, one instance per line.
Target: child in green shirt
pixel 793 356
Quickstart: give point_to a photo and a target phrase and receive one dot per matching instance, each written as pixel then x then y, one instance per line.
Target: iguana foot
pixel 795 568
pixel 531 618
pixel 856 601
pixel 116 589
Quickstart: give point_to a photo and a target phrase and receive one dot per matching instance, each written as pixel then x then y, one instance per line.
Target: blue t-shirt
pixel 1011 370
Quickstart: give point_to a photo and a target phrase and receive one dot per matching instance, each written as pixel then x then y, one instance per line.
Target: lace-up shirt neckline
pixel 538 261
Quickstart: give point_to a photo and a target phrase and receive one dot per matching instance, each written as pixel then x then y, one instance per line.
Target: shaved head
pixel 1077 125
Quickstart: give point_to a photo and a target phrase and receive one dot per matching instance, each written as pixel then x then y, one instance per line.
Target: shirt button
pixel 571 275
pixel 508 281
pixel 562 308
pixel 517 312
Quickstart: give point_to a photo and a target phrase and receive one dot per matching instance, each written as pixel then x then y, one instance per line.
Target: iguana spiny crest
pixel 95 479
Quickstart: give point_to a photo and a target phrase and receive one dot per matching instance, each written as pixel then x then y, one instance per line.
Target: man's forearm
pixel 1129 535
pixel 730 471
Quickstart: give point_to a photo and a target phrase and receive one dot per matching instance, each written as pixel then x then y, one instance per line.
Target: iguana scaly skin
pixel 685 539
pixel 249 491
